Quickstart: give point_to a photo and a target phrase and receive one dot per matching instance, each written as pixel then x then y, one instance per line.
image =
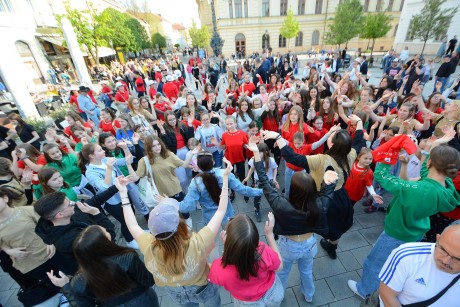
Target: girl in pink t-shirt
pixel 247 269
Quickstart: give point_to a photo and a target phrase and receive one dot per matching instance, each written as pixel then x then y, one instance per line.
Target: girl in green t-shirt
pixel 51 181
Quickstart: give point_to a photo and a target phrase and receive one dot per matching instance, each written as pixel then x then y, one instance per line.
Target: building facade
pixel 403 39
pixel 255 24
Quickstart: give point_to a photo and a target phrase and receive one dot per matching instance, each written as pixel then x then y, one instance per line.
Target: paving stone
pixel 323 295
pixel 338 285
pixel 361 253
pixel 348 302
pixel 289 298
pixel 325 267
pixel 5 295
pixel 371 219
pixel 371 234
pixel 7 283
pixel 352 240
pixel 349 261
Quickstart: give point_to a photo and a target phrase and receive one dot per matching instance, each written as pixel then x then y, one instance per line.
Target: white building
pixel 414 7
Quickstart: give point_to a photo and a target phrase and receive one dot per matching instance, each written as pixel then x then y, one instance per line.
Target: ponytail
pixel 83 156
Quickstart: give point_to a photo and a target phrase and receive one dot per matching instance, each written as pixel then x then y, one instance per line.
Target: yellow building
pixel 255 24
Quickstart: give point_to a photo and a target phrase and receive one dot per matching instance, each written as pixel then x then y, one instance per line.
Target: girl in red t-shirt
pixel 230 105
pixel 319 132
pixel 73 119
pixel 330 118
pixel 161 106
pixel 361 177
pixel 294 123
pixel 234 141
pixel 108 122
pixel 233 89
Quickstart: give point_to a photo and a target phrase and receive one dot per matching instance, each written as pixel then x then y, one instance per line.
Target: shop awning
pixel 53 39
pixel 59 41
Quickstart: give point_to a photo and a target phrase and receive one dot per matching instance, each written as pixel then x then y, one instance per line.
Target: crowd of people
pixel 164 138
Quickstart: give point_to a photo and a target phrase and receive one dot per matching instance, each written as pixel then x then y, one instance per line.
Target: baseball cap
pixel 169 78
pixel 83 88
pixel 118 84
pixel 395 60
pixel 118 78
pixel 447 56
pixel 164 218
pixel 149 82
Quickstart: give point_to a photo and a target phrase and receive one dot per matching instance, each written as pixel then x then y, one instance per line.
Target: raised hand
pixel 330 177
pixel 252 145
pixel 87 208
pixel 197 149
pixel 229 167
pixel 269 134
pixel 110 162
pixel 60 281
pixel 269 224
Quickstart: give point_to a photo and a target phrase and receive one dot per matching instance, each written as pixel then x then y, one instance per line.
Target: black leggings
pixel 240 170
pixel 275 150
pixel 117 212
pixel 24 281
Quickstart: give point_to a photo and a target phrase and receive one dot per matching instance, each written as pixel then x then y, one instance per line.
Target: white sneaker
pixel 132 244
pixel 308 300
pixel 353 288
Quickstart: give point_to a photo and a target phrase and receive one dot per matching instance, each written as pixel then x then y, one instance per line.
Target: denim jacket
pixel 197 192
pixel 96 175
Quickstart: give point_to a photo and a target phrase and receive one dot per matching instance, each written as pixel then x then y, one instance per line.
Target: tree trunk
pixel 373 43
pixel 423 48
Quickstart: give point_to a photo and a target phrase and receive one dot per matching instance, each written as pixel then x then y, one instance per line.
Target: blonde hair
pixel 287 123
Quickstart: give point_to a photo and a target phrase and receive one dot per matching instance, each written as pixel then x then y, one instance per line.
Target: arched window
pixel 299 39
pixel 281 41
pixel 315 38
pixel 265 41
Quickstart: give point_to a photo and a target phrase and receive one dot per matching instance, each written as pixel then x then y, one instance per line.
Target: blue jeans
pixel 302 252
pixel 374 262
pixel 95 116
pixel 272 298
pixel 288 173
pixel 192 296
pixel 217 156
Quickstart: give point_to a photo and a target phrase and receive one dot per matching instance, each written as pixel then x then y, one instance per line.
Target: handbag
pixel 147 187
pixel 36 294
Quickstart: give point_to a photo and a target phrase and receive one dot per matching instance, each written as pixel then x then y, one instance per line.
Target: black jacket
pixel 290 221
pixel 63 236
pixel 170 140
pixel 133 267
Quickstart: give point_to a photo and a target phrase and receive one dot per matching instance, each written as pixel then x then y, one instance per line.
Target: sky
pixel 176 11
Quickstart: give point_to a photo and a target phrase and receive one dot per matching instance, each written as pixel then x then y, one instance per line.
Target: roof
pixel 177 26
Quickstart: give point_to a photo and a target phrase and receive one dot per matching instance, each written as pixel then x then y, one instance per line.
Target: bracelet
pixel 125 204
pixel 279 137
pixel 424 152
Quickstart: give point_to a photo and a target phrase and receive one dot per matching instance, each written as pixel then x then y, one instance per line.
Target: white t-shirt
pixel 411 270
pixel 271 166
pixel 413 167
pixel 180 102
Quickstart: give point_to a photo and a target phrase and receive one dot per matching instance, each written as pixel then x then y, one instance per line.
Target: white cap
pixel 177 73
pixel 169 78
pixel 118 84
pixel 149 82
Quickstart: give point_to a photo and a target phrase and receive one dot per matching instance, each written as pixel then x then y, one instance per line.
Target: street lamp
pixel 216 41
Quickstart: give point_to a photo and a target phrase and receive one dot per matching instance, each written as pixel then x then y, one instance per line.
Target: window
pixel 378 7
pixel 245 8
pixel 319 7
pixel 315 38
pixel 390 5
pixel 238 8
pixel 402 5
pixel 299 39
pixel 265 8
pixel 5 6
pixel 283 7
pixel 366 5
pixel 230 8
pixel 301 8
pixel 282 41
pixel 409 35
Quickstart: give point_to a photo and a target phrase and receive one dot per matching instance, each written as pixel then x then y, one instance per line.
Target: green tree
pixel 91 28
pixel 120 34
pixel 290 27
pixel 432 22
pixel 375 26
pixel 141 37
pixel 346 24
pixel 158 40
pixel 200 37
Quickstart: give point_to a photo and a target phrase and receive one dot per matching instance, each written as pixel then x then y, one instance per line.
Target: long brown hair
pixel 21 122
pixel 330 114
pixel 240 247
pixel 31 151
pixel 205 163
pixel 44 175
pixel 5 168
pixel 103 276
pixel 50 146
pixel 83 155
pixel 148 143
pixel 302 196
pixel 173 250
pixel 287 123
pixel 248 112
pixel 263 148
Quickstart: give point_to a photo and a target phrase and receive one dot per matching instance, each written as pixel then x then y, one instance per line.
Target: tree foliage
pixel 290 27
pixel 432 22
pixel 120 34
pixel 90 27
pixel 140 34
pixel 200 37
pixel 347 22
pixel 158 39
pixel 375 26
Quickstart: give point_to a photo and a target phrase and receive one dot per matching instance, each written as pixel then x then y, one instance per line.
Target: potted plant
pixel 58 115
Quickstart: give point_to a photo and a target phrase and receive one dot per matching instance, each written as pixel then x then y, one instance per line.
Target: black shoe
pixel 370 209
pixel 382 209
pixel 258 219
pixel 330 248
